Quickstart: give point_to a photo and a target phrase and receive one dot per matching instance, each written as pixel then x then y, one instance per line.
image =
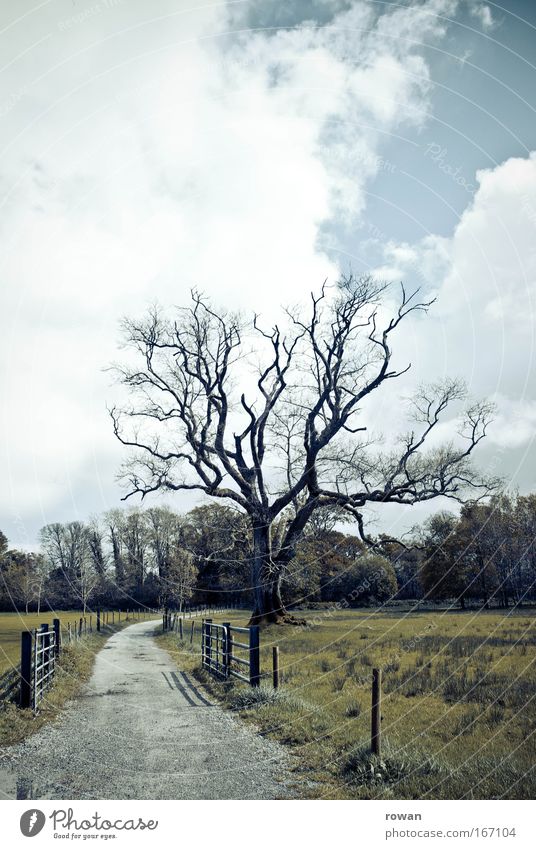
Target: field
pixel 11 625
pixel 74 668
pixel 458 702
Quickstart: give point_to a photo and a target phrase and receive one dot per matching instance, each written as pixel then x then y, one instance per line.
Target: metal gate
pixel 225 656
pixel 39 651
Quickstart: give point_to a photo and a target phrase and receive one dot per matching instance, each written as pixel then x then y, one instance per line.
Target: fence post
pixel 275 664
pixel 57 636
pixel 45 627
pixel 25 693
pixel 98 620
pixel 375 738
pixel 227 649
pixel 192 631
pixel 208 641
pixel 69 635
pixel 181 635
pixel 254 657
pixel 113 617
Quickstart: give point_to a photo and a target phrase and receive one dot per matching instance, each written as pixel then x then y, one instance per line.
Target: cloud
pixel 147 155
pixel 482 326
pixel 482 12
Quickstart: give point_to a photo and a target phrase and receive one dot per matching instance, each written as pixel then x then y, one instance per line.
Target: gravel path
pixel 143 730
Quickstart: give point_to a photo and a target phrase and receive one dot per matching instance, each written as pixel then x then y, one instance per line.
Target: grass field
pixel 12 624
pixel 74 668
pixel 458 707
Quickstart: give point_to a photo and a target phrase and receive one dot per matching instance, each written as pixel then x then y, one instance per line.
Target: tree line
pixel 156 557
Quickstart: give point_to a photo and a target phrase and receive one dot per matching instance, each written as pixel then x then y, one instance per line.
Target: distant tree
pixel 95 539
pixel 113 521
pixel 369 580
pixel 444 574
pixel 407 563
pixel 474 544
pixel 134 536
pixel 72 568
pixel 291 441
pixel 525 531
pixel 174 563
pixel 181 577
pixel 3 545
pixel 218 538
pixel 19 577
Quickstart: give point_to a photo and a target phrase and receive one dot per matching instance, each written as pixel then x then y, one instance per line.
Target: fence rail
pixel 41 648
pixel 46 647
pixel 225 656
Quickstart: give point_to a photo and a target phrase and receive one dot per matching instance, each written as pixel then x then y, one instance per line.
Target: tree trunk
pixel 266 579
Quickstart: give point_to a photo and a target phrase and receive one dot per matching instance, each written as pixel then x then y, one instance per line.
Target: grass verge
pixel 458 707
pixel 73 669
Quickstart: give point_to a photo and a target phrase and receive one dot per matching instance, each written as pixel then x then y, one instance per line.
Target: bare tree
pixel 292 440
pixel 114 520
pixel 66 548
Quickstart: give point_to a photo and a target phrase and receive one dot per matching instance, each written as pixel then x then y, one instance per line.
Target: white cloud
pixel 482 325
pixel 141 163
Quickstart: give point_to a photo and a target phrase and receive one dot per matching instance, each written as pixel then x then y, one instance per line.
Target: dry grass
pixel 11 625
pixel 458 707
pixel 74 669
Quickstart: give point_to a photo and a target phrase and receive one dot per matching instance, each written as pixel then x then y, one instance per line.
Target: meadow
pixel 458 716
pixel 12 624
pixel 74 666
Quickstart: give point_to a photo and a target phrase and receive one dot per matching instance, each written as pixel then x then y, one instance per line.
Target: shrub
pixel 338 682
pixel 353 708
pixel 362 767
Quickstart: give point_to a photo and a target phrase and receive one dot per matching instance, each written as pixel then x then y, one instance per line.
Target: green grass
pixel 74 668
pixel 12 624
pixel 459 694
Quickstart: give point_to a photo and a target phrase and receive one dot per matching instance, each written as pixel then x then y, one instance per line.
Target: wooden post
pixel 57 636
pixel 181 635
pixel 376 731
pixel 192 629
pixel 275 664
pixel 70 636
pixel 254 657
pixel 25 692
pixel 98 620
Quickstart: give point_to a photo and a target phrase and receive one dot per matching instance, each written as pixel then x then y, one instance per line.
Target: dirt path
pixel 142 730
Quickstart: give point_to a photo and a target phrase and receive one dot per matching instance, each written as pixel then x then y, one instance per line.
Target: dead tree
pixel 285 437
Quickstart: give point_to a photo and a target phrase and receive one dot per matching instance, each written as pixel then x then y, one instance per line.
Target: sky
pixel 254 149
